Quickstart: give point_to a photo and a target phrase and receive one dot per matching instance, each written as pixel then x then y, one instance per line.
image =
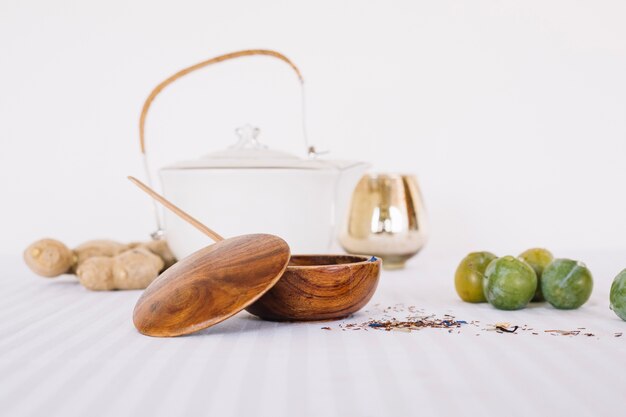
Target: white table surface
pixel 66 351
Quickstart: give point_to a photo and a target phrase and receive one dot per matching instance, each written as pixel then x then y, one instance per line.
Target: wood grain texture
pixel 320 287
pixel 211 285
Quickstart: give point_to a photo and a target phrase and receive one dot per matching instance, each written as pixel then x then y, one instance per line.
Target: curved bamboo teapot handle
pixel 155 92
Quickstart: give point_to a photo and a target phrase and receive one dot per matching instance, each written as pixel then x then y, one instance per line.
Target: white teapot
pixel 249 188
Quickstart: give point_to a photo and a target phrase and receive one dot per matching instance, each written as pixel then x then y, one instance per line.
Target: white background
pixel 511 113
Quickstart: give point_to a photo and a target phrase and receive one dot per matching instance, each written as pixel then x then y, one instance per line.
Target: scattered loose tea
pixel 414 323
pixel 563 332
pixel 507 330
pixel 417 319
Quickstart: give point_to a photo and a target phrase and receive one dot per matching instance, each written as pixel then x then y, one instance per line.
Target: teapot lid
pixel 248 152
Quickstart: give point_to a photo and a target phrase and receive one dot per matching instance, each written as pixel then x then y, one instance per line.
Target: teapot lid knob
pixel 248 138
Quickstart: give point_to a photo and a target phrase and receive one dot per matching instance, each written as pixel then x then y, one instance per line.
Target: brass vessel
pixel 386 219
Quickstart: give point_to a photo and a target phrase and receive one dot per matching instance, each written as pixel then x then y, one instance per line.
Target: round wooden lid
pixel 211 285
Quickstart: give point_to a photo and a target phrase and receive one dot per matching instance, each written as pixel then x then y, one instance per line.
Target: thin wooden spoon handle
pixel 179 212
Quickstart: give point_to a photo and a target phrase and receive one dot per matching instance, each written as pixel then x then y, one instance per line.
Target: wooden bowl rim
pixel 365 259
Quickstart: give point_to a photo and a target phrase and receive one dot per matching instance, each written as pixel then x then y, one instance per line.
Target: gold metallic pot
pixel 386 219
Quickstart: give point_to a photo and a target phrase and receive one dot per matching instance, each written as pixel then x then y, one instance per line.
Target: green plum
pixel 468 279
pixel 618 295
pixel 538 259
pixel 509 283
pixel 566 284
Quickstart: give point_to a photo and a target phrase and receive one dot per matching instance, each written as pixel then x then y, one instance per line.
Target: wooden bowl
pixel 320 287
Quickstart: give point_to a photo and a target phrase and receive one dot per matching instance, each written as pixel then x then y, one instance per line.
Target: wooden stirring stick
pixel 187 217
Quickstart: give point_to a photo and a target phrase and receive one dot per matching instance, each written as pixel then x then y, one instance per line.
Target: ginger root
pixel 97 248
pixel 134 269
pixel 49 258
pixel 160 248
pixel 101 264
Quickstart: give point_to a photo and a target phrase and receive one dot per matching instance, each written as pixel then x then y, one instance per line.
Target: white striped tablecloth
pixel 66 351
